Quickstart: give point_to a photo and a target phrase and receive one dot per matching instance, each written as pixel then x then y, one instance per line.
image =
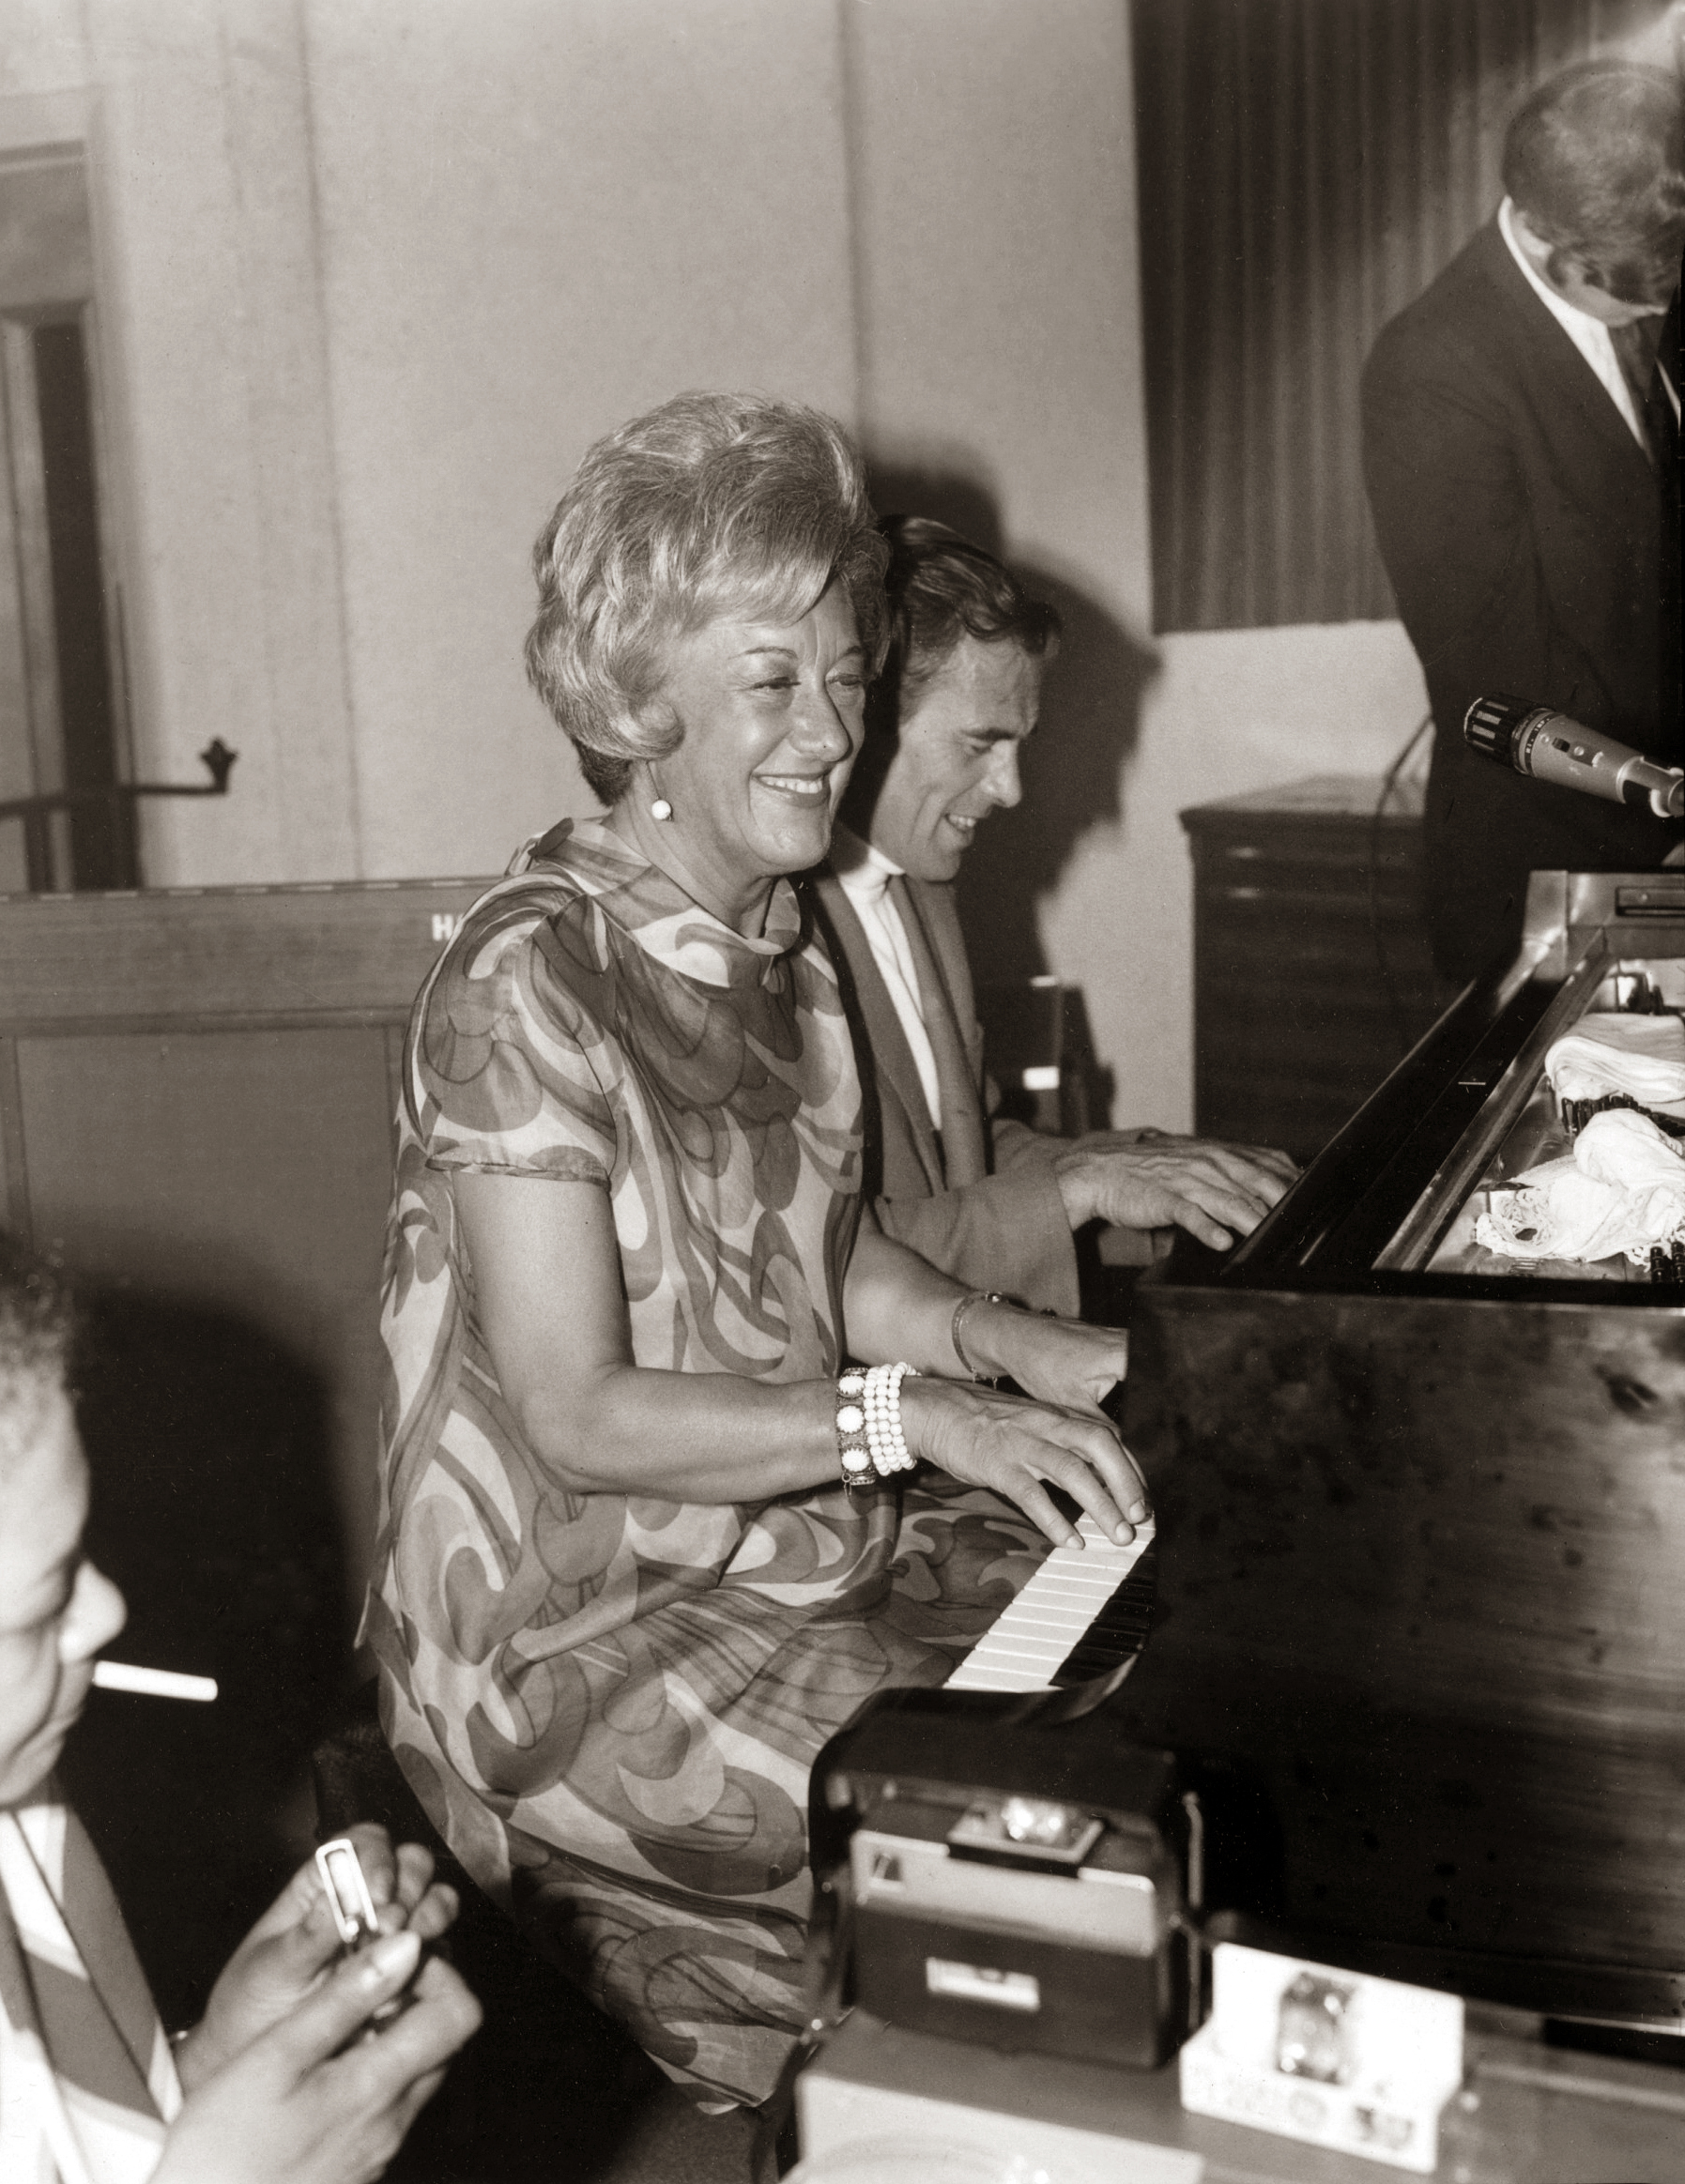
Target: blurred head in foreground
pixel 56 1611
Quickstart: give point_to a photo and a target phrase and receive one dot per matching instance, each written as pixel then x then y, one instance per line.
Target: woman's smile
pixel 803 787
pixel 772 714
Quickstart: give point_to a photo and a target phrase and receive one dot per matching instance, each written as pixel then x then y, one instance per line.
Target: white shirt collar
pixel 861 867
pixel 864 873
pixel 1589 335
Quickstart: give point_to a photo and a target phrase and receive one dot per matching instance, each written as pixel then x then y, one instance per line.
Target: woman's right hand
pixel 292 2108
pixel 1019 1449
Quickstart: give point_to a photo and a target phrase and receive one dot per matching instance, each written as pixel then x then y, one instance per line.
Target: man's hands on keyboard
pixel 1216 1192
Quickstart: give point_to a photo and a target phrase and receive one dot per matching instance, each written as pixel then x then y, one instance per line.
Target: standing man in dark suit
pixel 1519 441
pixel 984 1197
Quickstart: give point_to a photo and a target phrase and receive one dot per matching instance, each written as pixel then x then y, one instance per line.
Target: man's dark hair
pixel 1596 160
pixel 942 589
pixel 37 1330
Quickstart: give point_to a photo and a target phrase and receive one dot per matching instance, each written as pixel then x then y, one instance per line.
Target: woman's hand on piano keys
pixel 1018 1448
pixel 1062 1362
pixel 1216 1192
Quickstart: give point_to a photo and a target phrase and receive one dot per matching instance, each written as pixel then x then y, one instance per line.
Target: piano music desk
pixel 1528 2113
pixel 1312 972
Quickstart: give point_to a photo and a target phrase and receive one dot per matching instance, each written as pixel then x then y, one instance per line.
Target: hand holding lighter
pixel 353 1907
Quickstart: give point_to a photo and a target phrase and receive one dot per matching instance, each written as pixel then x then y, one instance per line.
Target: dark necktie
pixel 1635 352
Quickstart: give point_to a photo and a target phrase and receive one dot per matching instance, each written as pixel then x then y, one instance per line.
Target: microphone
pixel 1549 747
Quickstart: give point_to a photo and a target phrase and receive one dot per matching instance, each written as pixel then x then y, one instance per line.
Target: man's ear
pixel 1562 270
pixel 1531 244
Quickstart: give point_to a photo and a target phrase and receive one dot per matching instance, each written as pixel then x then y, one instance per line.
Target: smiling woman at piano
pixel 622 1595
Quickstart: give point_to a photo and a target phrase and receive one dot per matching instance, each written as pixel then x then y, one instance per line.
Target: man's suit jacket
pixel 983 1205
pixel 1532 549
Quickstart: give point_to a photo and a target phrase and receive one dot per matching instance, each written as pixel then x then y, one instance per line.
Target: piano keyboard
pixel 1086 1609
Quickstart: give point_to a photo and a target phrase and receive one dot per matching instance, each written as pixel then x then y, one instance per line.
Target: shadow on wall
pixel 1072 767
pixel 213 1510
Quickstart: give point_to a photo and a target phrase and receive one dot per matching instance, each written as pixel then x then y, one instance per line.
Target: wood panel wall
pixel 197 1093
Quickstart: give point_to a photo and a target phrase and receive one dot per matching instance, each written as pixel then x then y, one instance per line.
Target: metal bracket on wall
pixel 35 813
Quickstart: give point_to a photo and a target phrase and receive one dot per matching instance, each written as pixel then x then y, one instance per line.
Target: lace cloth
pixel 1642 1056
pixel 1621 1190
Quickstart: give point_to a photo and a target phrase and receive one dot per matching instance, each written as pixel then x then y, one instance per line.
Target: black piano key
pixel 1126 1607
pixel 1117 1631
pixel 1129 1635
pixel 1088 1662
pixel 1097 1656
pixel 1135 1597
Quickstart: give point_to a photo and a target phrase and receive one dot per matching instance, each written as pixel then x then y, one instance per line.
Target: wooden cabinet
pixel 1312 977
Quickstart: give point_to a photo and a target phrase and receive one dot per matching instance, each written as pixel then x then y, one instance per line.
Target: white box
pixel 1391 2059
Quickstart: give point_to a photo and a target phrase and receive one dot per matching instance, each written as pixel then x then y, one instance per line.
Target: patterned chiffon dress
pixel 609 1703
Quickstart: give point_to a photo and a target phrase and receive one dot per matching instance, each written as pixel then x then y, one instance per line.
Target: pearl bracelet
pixel 870 1445
pixel 888 1444
pixel 854 1450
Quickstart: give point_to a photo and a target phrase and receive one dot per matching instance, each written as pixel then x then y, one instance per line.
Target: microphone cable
pixel 1390 780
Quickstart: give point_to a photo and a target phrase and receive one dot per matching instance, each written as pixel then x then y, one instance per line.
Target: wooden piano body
pixel 1421 1527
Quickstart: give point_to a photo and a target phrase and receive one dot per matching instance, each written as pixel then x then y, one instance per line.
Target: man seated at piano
pixel 990 1200
pixel 649 1537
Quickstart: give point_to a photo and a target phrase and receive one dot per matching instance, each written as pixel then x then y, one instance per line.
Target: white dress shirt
pixel 1589 335
pixel 864 874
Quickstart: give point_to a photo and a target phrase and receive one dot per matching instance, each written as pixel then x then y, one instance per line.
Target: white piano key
pixel 1017 1646
pixel 1089 1569
pixel 972 1678
pixel 1034 1625
pixel 1065 1602
pixel 1051 1617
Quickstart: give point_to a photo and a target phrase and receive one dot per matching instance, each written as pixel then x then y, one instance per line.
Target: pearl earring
pixel 661 809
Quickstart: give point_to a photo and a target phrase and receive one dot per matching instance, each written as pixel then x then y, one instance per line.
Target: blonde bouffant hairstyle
pixel 711 505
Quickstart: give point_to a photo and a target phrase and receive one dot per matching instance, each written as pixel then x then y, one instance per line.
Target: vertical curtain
pixel 1306 168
